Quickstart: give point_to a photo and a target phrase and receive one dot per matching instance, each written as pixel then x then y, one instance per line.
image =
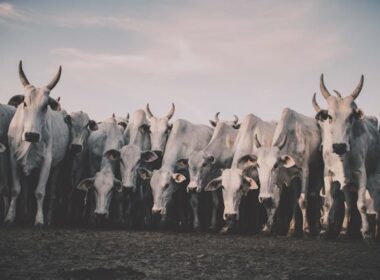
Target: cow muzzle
pixel 32 137
pixel 76 148
pixel 340 148
pixel 230 217
pixel 266 200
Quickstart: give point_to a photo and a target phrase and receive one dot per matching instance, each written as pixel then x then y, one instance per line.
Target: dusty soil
pixel 27 253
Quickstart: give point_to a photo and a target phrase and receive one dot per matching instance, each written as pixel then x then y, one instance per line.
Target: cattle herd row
pixel 300 175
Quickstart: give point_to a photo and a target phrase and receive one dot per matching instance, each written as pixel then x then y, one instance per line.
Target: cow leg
pixel 293 230
pixel 363 211
pixel 302 201
pixel 15 191
pixel 327 203
pixel 41 191
pixel 347 212
pixel 215 208
pixel 52 182
pixel 377 230
pixel 194 203
pixel 271 211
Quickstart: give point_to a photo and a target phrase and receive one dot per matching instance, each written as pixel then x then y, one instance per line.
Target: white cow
pixel 38 139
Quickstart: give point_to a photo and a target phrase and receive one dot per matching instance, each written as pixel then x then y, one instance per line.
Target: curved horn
pixel 258 144
pixel 216 118
pixel 21 73
pixel 171 113
pixel 358 89
pixel 127 118
pixel 148 111
pixel 282 144
pixel 337 93
pixel 315 104
pixel 324 90
pixel 236 119
pixel 55 80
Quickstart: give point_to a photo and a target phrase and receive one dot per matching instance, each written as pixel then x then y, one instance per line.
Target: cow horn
pixel 337 93
pixel 216 118
pixel 21 73
pixel 55 80
pixel 258 144
pixel 282 144
pixel 171 113
pixel 236 119
pixel 315 104
pixel 148 111
pixel 324 90
pixel 127 118
pixel 358 89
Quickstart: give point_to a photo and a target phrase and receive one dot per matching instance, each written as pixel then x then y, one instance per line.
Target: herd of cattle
pixel 300 175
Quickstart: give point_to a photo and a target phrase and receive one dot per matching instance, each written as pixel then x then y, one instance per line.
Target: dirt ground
pixel 27 253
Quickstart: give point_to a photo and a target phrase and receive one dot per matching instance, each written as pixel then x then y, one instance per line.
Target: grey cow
pixel 356 140
pixel 6 114
pixel 38 139
pixel 102 160
pixel 237 180
pixel 185 138
pixel 292 161
pixel 206 164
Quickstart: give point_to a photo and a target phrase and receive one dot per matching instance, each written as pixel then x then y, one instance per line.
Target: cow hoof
pixel 196 229
pixel 226 230
pixel 9 223
pixel 39 225
pixel 212 228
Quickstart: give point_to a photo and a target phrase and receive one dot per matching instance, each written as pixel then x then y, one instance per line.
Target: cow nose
pixel 76 148
pixel 100 217
pixel 340 148
pixel 158 153
pixel 267 200
pixel 32 137
pixel 156 211
pixel 129 188
pixel 230 216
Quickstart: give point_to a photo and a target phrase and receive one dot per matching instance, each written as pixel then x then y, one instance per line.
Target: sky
pixel 236 57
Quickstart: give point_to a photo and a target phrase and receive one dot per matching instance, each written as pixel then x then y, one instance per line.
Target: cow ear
pixel 213 123
pixel 16 100
pixel 359 114
pixel 178 177
pixel 68 120
pixel 182 163
pixel 149 156
pixel 118 185
pixel 86 184
pixel 247 161
pixel 252 185
pixel 92 125
pixel 112 154
pixel 54 104
pixel 144 173
pixel 322 115
pixel 287 161
pixel 214 185
pixel 236 126
pixel 2 148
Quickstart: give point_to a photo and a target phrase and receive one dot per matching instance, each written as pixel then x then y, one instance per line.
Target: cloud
pixel 9 14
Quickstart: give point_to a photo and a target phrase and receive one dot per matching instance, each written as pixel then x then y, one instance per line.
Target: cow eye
pixel 25 105
pixel 275 166
pixel 166 186
pixel 329 118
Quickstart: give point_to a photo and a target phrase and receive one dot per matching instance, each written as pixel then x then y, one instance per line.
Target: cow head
pixel 123 122
pixel 163 184
pixel 80 127
pixel 234 123
pixel 200 166
pixel 130 158
pixel 34 106
pixel 235 183
pixel 342 113
pixel 159 129
pixel 103 185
